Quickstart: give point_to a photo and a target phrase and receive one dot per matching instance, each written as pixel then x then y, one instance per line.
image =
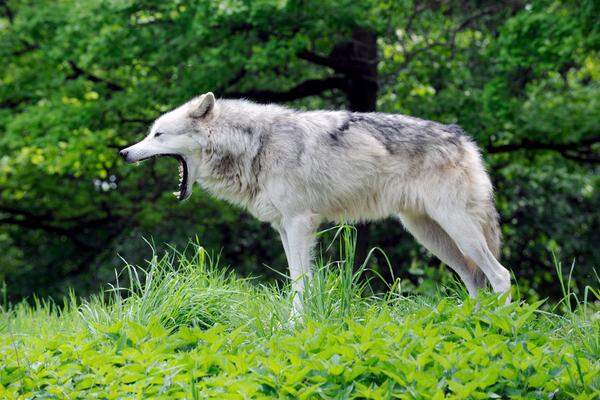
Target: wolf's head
pixel 182 134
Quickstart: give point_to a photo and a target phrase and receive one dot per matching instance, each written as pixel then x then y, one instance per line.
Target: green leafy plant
pixel 186 328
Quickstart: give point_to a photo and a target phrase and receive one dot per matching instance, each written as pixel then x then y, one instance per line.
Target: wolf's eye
pixel 157 134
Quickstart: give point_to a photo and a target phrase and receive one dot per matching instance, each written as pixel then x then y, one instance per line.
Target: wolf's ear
pixel 202 106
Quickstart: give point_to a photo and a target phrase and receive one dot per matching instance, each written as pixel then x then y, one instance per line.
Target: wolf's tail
pixel 483 199
pixel 491 229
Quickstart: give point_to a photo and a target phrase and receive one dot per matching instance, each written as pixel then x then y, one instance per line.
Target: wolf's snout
pixel 124 154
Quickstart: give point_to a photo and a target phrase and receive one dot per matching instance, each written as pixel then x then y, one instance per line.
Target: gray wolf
pixel 297 169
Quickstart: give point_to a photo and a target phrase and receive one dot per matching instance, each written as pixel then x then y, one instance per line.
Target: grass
pixel 185 328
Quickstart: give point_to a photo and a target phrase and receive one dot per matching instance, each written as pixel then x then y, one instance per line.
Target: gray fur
pixel 296 169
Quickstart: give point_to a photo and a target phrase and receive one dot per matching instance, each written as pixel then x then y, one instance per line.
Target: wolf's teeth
pixel 177 194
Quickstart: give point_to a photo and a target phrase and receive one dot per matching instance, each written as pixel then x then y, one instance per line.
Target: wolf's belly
pixel 373 202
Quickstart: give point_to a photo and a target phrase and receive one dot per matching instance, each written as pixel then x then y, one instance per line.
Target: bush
pixel 189 329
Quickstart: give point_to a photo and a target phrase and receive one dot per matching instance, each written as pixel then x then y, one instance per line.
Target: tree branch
pixel 318 59
pixel 448 39
pixel 578 151
pixel 352 65
pixel 27 47
pixel 9 103
pixel 135 120
pixel 307 88
pixel 25 213
pixel 7 11
pixel 77 72
pixel 38 225
pixel 70 225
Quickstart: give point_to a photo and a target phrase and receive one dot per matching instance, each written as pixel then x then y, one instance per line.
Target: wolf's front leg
pixel 298 238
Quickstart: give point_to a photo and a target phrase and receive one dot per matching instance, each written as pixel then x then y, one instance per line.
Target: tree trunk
pixel 361 93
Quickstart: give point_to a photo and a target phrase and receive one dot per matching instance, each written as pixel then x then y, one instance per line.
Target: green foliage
pixel 187 329
pixel 81 79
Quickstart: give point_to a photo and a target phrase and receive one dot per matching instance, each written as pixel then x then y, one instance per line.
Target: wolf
pixel 296 169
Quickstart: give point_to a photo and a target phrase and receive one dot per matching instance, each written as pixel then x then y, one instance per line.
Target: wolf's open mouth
pixel 183 174
pixel 183 178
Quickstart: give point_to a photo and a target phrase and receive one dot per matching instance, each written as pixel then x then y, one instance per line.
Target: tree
pixel 82 79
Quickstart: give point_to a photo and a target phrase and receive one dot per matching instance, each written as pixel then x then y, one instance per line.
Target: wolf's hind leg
pixel 284 241
pixel 436 240
pixel 467 233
